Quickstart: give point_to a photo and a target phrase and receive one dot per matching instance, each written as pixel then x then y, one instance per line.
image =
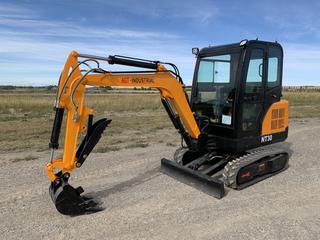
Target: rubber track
pixel 231 170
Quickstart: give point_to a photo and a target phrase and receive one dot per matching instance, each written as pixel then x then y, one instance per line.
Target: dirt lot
pixel 142 203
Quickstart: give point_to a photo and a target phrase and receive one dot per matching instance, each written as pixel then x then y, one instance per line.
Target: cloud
pixel 9 10
pixel 296 21
pixel 202 10
pixel 34 50
pixel 44 28
pixel 301 64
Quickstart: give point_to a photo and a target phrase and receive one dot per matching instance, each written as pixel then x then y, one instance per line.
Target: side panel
pixel 276 118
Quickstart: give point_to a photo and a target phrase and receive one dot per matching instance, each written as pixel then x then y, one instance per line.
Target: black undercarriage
pixel 210 172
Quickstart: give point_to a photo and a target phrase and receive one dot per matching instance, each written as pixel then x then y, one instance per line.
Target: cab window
pixel 255 71
pixel 215 69
pixel 216 77
pixel 274 68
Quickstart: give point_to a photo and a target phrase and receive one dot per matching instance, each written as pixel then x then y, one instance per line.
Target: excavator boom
pixel 71 98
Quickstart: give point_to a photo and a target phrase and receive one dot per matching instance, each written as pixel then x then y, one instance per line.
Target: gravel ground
pixel 142 203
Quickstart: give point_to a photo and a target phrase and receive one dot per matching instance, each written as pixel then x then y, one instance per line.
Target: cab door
pixel 273 84
pixel 253 90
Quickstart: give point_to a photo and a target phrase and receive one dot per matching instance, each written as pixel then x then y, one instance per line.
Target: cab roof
pixel 240 45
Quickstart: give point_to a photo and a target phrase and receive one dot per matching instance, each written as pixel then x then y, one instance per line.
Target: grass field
pixel 138 120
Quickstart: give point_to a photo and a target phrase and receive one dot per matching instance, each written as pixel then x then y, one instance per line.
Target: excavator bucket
pixel 201 181
pixel 68 200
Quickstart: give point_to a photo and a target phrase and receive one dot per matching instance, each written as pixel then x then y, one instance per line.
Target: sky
pixel 36 36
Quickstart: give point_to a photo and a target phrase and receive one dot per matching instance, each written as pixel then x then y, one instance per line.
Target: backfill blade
pixel 202 182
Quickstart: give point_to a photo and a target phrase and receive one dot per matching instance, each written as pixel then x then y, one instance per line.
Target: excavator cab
pixel 236 98
pixel 234 87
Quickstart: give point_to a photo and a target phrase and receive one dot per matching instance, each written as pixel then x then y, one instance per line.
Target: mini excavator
pixel 235 111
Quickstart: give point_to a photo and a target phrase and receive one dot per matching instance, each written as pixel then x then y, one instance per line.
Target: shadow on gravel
pixel 288 147
pixel 144 177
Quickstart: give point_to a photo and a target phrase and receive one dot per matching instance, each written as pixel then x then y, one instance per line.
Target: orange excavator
pixel 234 112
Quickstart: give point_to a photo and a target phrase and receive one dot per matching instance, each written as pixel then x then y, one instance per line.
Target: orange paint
pixel 276 118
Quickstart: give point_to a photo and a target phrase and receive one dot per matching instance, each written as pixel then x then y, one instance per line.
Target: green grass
pixel 14 107
pixel 26 158
pixel 138 120
pixel 103 149
pixel 302 98
pixel 137 145
pixel 303 104
pixel 24 107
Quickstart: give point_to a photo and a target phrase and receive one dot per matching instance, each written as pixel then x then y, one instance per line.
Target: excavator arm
pixel 71 99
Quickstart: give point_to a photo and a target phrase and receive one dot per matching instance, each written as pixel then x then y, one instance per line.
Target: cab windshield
pixel 215 79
